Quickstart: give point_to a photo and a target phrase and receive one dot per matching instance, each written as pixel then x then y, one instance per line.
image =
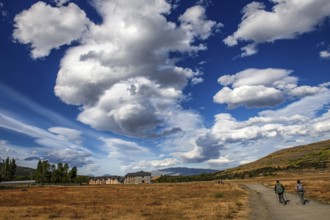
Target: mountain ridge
pixel 181 171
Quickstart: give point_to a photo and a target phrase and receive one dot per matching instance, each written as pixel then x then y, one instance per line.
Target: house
pixel 138 178
pixel 105 180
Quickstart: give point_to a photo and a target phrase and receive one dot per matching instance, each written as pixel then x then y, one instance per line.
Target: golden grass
pixel 154 201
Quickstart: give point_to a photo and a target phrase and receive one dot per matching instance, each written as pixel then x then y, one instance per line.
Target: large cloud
pixel 124 73
pixel 287 20
pixel 261 88
pixel 299 122
pixel 46 28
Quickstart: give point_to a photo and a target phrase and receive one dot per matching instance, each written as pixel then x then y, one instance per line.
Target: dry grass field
pixel 154 201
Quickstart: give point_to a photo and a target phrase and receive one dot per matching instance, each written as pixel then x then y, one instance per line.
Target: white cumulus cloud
pixel 45 28
pixel 286 20
pixel 325 54
pixel 124 86
pixel 261 88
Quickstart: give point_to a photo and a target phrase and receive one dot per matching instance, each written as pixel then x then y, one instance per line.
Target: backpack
pixel 279 188
pixel 300 187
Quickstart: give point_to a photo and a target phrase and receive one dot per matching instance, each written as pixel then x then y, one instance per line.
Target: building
pixel 138 178
pixel 105 180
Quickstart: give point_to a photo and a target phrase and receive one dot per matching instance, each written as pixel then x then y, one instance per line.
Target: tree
pixel 12 169
pixel 38 172
pixel 49 173
pixel 46 174
pixel 8 169
pixel 73 174
pixel 53 171
pixel 65 176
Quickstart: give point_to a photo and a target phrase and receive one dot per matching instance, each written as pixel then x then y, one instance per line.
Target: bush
pixel 218 195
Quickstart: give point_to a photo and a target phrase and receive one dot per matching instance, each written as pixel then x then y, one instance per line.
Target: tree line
pixel 45 173
pixel 50 173
pixel 8 169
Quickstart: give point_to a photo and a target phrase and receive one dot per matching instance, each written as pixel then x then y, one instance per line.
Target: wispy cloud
pixel 49 146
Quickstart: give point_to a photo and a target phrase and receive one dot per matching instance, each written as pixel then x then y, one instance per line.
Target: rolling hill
pixel 315 155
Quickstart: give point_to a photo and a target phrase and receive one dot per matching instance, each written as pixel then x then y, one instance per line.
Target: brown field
pixel 154 201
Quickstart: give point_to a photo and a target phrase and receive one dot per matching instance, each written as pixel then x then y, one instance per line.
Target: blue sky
pixel 116 86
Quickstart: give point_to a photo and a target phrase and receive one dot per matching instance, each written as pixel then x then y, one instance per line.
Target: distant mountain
pixel 181 171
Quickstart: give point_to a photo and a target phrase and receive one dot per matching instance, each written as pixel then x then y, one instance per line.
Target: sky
pixel 117 86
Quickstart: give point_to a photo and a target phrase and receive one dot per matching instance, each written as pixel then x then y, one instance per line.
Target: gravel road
pixel 264 205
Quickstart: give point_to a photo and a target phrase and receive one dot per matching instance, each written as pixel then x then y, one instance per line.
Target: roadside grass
pixel 315 182
pixel 203 200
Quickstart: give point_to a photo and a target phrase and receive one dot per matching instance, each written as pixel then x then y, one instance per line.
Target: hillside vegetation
pixel 315 155
pixel 311 156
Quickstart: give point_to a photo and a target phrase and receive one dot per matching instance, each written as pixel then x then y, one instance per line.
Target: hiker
pixel 301 192
pixel 279 189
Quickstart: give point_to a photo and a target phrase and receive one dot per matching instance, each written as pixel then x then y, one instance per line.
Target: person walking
pixel 279 189
pixel 301 192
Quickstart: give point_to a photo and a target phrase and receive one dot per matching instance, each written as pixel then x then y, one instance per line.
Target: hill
pixel 310 156
pixel 306 154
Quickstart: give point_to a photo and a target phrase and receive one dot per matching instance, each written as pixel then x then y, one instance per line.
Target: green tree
pixel 42 173
pixel 49 173
pixel 12 169
pixel 58 174
pixel 65 177
pixel 46 174
pixel 53 171
pixel 73 174
pixel 8 169
pixel 38 172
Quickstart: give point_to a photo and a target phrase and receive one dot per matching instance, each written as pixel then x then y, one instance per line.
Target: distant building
pixel 138 178
pixel 105 180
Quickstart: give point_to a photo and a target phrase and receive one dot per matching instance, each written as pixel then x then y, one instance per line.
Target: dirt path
pixel 264 205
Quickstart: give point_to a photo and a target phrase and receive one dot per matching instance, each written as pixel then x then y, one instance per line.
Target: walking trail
pixel 264 205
